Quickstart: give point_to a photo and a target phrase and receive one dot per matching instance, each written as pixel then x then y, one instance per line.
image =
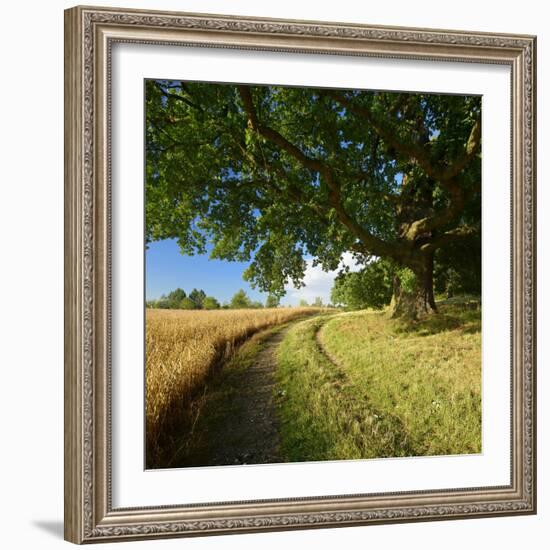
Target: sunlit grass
pixel 390 388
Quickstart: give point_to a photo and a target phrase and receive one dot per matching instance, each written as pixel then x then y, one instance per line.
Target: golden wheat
pixel 181 349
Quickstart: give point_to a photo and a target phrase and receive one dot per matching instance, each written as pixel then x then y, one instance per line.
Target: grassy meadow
pixel 361 385
pixel 182 349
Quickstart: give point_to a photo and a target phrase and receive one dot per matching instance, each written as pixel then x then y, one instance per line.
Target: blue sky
pixel 167 269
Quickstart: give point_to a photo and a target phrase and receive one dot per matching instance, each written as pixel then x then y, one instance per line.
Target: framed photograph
pixel 300 274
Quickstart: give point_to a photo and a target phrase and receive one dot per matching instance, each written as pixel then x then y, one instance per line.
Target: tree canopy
pixel 240 300
pixel 172 300
pixel 197 297
pixel 210 303
pixel 273 175
pixel 272 301
pixel 186 303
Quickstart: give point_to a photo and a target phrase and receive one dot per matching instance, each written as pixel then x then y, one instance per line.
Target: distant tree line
pixel 317 302
pixel 197 299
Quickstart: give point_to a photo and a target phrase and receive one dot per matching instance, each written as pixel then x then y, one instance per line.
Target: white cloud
pixel 317 282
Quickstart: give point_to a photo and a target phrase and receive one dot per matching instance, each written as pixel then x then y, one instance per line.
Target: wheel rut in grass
pixel 323 349
pixel 238 423
pixel 340 378
pixel 389 427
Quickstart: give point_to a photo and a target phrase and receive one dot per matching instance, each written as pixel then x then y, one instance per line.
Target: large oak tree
pixel 272 175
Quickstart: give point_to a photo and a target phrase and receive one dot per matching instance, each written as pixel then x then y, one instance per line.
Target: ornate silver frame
pixel 89 35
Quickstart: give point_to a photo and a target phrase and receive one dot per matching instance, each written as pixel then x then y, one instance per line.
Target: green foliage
pixel 303 303
pixel 178 299
pixel 210 303
pixel 407 279
pixel 187 303
pixel 176 296
pixel 458 268
pixel 326 184
pixel 240 300
pixel 197 297
pixel 369 288
pixel 172 301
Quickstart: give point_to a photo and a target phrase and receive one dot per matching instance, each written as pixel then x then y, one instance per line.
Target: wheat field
pixel 182 347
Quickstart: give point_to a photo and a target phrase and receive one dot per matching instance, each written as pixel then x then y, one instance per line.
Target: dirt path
pixel 239 424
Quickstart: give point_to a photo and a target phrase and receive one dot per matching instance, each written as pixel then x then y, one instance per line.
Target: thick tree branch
pixel 373 244
pixel 445 176
pixel 415 151
pixel 292 191
pixel 460 232
pixel 440 218
pixel 277 138
pixel 177 97
pixel 459 198
pixel 408 150
pixel 470 151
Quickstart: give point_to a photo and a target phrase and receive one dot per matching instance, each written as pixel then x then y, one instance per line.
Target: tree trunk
pixel 418 301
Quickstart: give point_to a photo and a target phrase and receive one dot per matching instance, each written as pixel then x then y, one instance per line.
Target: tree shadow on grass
pixel 449 317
